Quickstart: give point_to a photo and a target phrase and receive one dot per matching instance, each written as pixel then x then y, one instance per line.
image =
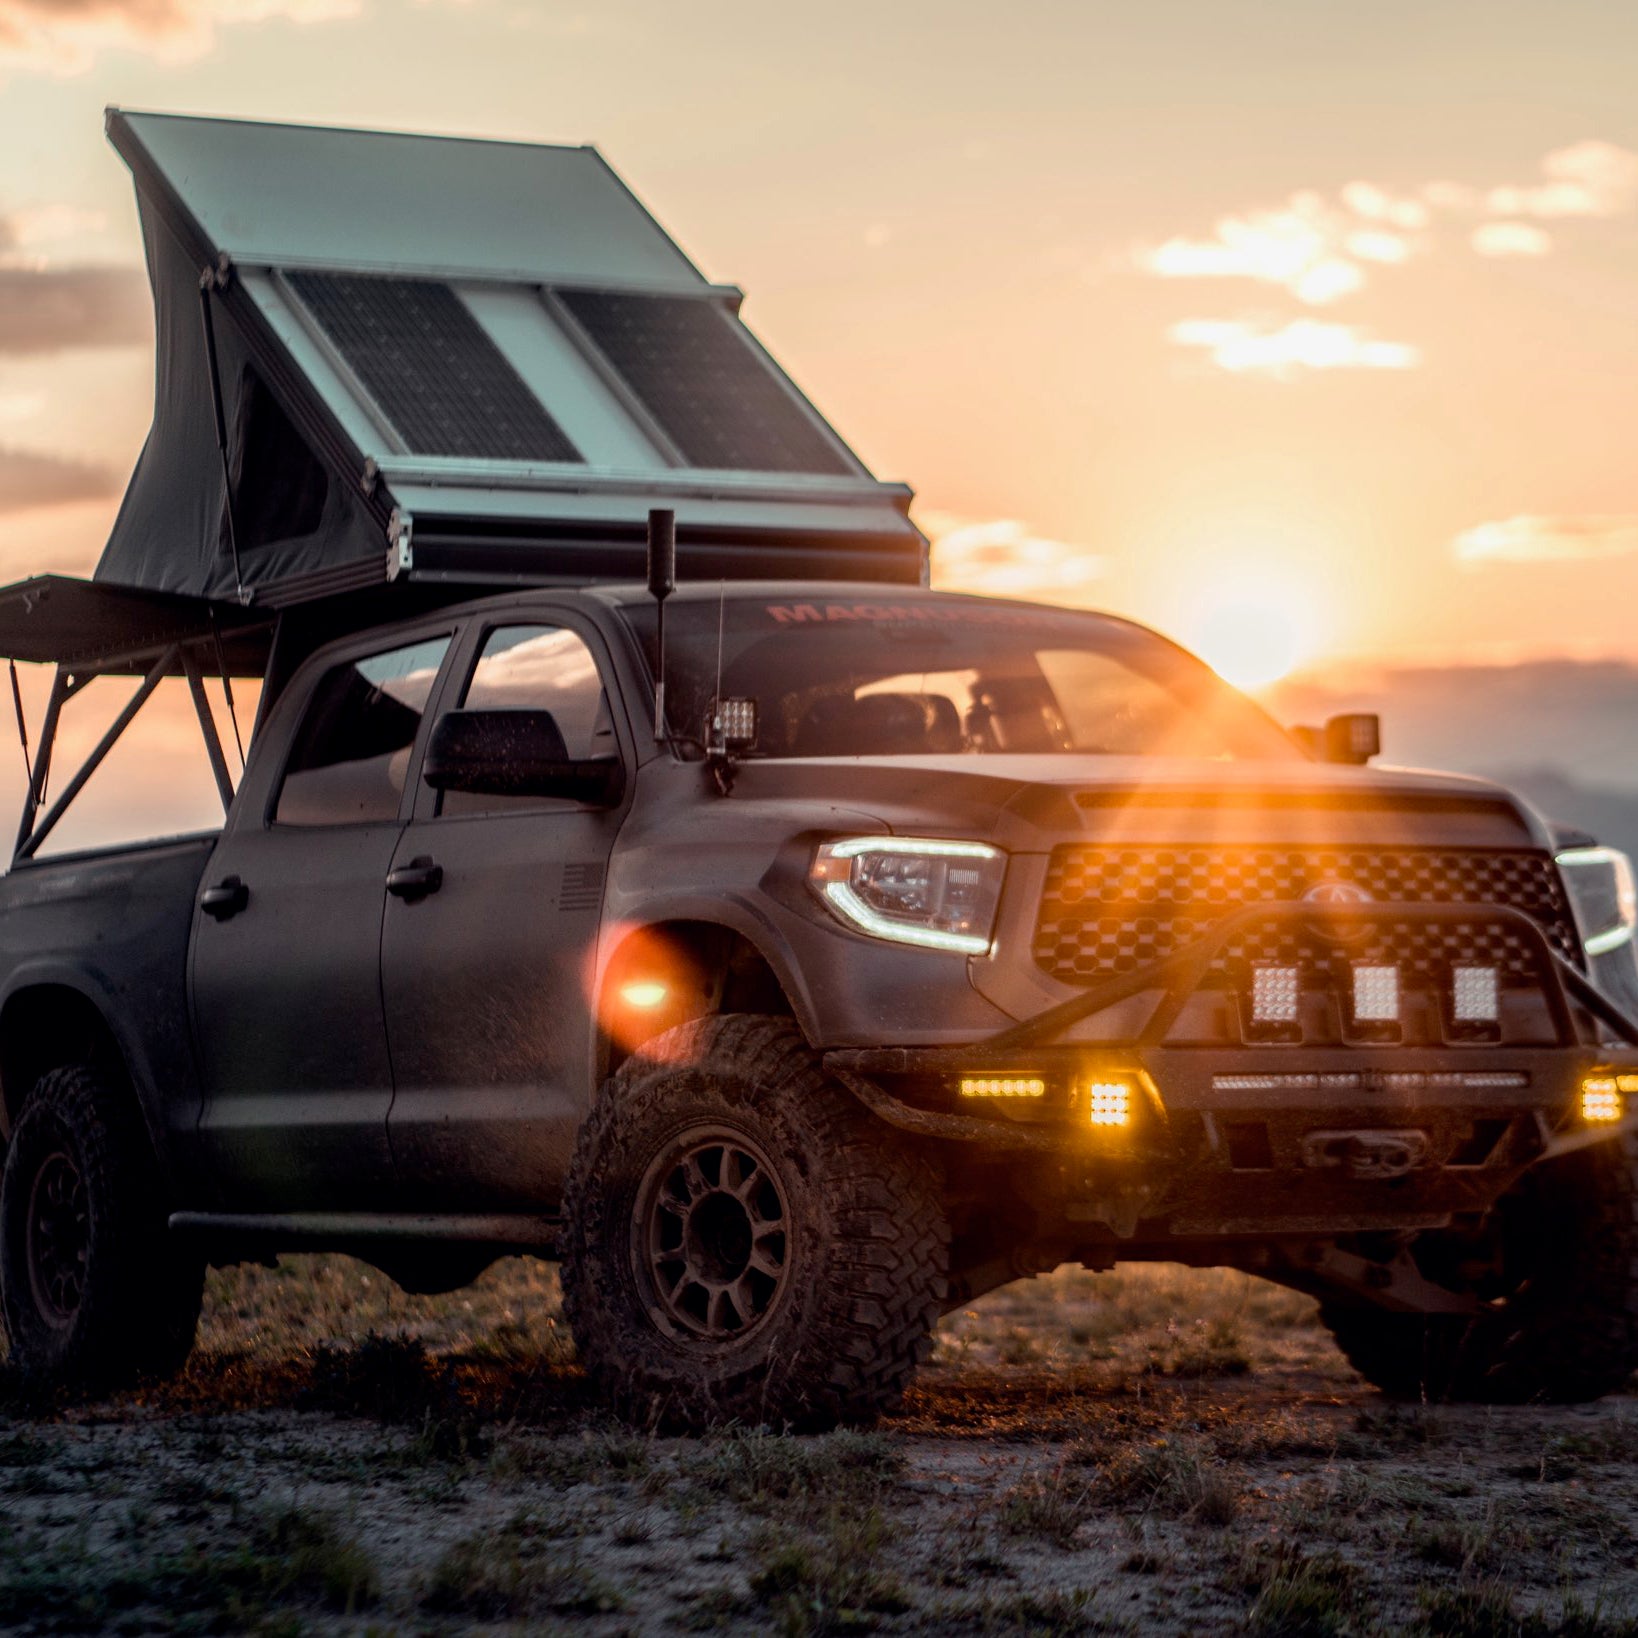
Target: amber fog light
pixel 1109 1103
pixel 1601 1098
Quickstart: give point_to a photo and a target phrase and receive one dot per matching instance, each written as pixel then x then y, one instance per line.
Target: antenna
pixel 662 581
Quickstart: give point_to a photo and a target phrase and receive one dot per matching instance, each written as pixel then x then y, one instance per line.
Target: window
pixel 352 753
pixel 539 668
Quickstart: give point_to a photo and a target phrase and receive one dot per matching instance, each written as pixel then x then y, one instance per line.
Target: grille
pixel 1107 911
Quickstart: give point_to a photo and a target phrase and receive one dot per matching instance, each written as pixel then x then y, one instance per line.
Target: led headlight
pixel 1600 884
pixel 940 895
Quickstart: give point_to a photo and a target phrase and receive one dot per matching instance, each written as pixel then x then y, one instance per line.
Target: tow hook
pixel 1366 1154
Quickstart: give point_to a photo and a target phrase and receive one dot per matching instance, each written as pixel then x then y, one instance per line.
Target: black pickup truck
pixel 923 944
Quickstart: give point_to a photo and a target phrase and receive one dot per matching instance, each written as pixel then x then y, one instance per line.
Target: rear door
pixel 487 979
pixel 286 956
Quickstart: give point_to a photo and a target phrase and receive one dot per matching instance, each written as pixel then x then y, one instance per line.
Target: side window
pixel 352 751
pixel 539 668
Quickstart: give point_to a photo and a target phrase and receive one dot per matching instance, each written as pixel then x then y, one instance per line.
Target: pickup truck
pixel 910 945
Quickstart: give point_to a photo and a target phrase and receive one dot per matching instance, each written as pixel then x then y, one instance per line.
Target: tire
pixel 743 1242
pixel 95 1293
pixel 1563 1325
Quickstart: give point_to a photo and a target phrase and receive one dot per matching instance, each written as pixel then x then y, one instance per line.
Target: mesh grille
pixel 1112 910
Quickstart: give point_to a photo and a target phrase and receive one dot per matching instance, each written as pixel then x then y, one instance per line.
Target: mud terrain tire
pixel 95 1292
pixel 744 1243
pixel 1566 1329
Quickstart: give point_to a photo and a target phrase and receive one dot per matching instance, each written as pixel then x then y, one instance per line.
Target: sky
pixel 1305 331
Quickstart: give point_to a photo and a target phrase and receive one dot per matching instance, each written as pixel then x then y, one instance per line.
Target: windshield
pixel 939 675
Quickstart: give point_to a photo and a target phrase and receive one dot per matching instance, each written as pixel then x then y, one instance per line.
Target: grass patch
pixel 828 1582
pixel 1303 1597
pixel 769 1472
pixel 1173 1478
pixel 285 1560
pixel 516 1574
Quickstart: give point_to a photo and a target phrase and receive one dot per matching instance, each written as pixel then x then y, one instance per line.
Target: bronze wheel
pixel 711 1235
pixel 59 1238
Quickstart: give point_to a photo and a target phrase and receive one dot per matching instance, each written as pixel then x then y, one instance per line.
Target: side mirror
pixel 516 753
pixel 1353 739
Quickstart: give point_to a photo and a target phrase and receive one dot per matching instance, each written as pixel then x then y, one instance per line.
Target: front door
pixel 487 977
pixel 286 962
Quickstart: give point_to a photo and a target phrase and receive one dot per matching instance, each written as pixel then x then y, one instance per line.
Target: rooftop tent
pixel 442 360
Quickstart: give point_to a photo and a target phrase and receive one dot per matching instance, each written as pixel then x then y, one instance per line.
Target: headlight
pixel 940 895
pixel 1601 889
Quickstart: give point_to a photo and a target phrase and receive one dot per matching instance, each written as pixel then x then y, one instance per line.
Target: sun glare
pixel 1253 640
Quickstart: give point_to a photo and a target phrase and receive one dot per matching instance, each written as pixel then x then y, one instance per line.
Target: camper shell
pixel 634 862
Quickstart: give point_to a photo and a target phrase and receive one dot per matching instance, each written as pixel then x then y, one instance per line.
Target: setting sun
pixel 1253 640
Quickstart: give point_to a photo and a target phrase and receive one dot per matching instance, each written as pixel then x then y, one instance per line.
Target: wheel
pixel 95 1293
pixel 743 1241
pixel 1561 1317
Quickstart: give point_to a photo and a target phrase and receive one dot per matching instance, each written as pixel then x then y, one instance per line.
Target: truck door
pixel 286 964
pixel 486 964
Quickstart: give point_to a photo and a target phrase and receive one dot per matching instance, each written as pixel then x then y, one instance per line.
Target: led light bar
pixel 1108 1103
pixel 1398 1080
pixel 1474 995
pixel 1601 1098
pixel 1002 1086
pixel 1274 995
pixel 1376 994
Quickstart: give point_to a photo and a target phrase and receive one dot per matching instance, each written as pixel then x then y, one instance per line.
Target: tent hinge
pixel 400 544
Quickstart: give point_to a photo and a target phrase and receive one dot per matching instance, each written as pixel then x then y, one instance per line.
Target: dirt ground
pixel 1148 1451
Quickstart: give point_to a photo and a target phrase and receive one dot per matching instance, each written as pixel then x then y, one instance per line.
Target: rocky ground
pixel 1149 1451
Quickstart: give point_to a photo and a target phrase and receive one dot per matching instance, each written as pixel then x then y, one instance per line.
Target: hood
pixel 1029 803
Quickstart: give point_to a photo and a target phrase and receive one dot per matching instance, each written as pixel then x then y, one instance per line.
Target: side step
pixel 355 1231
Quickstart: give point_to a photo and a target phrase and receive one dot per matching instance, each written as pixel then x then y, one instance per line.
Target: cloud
pixel 1511 239
pixel 1002 557
pixel 29 479
pixel 1245 347
pixel 1535 539
pixel 1375 204
pixel 1298 247
pixel 67 35
pixel 1585 179
pixel 49 310
pixel 1313 246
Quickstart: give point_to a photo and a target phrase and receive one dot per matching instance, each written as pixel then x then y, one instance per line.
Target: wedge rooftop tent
pixel 455 362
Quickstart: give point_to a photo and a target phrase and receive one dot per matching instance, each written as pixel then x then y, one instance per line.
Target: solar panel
pixel 431 367
pixel 696 372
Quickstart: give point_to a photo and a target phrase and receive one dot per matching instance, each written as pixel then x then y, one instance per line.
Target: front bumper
pixel 1268 1139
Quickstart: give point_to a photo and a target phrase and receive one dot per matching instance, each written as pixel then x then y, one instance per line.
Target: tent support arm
pixel 29 843
pixel 35 794
pixel 207 283
pixel 207 726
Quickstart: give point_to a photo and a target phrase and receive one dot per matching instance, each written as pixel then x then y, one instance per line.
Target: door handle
pixel 227 898
pixel 416 879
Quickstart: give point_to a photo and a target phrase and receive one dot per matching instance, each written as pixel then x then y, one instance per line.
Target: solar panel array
pixel 698 374
pixel 432 369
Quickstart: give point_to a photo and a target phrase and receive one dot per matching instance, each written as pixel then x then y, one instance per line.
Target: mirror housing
pixel 516 753
pixel 1352 739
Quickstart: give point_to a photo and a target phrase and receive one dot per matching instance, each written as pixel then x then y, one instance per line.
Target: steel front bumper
pixel 1269 1139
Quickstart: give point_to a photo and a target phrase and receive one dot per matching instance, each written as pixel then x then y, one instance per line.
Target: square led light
pixel 1274 995
pixel 1473 995
pixel 1109 1103
pixel 1600 1099
pixel 1376 994
pixel 734 723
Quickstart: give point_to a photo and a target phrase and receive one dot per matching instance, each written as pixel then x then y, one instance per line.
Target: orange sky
pixel 1237 315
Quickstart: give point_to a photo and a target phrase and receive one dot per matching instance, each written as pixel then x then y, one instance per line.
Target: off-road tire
pixel 138 1293
pixel 1566 1332
pixel 864 1264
